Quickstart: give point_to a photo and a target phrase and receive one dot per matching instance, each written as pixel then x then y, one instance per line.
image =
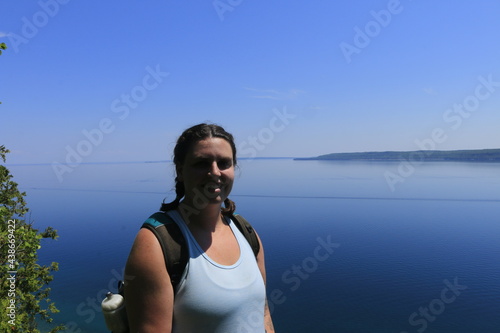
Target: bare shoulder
pixel 146 253
pixel 268 322
pixel 148 290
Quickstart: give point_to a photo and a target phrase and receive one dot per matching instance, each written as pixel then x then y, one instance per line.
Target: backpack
pixel 174 245
pixel 176 256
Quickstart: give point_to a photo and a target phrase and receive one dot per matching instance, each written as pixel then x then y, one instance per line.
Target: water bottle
pixel 115 315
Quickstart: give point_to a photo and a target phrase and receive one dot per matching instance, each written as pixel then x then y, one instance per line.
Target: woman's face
pixel 207 172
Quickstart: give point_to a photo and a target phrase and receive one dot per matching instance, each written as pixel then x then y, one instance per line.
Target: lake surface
pixel 345 252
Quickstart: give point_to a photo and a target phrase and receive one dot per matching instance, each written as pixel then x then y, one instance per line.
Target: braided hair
pixel 185 142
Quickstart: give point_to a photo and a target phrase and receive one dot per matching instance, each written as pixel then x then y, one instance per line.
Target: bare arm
pixel 148 290
pixel 268 321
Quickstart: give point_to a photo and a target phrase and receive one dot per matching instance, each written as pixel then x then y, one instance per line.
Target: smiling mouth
pixel 213 188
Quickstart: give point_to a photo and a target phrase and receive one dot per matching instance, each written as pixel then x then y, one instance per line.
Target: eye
pixel 202 164
pixel 225 164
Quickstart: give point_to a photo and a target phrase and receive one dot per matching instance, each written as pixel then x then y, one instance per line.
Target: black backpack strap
pixel 172 242
pixel 248 231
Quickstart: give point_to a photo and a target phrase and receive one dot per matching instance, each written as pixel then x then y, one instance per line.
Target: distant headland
pixel 480 155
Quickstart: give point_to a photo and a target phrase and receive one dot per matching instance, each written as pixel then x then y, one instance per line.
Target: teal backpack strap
pixel 248 231
pixel 172 243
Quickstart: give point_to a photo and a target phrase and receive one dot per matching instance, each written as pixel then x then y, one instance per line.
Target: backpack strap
pixel 174 247
pixel 172 242
pixel 248 231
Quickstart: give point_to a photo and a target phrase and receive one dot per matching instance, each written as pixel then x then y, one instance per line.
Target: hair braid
pixel 229 207
pixel 179 191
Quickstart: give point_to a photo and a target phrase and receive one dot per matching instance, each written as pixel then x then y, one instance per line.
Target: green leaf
pixel 32 278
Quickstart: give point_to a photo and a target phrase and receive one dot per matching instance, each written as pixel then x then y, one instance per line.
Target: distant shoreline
pixel 479 155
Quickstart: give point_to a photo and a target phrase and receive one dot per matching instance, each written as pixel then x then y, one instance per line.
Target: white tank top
pixel 215 298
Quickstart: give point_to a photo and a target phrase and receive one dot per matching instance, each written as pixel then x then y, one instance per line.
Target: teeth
pixel 213 187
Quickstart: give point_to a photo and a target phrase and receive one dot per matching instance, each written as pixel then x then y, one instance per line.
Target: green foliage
pixel 2 47
pixel 24 281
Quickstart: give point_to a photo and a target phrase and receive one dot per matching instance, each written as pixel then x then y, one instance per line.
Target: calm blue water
pixel 428 250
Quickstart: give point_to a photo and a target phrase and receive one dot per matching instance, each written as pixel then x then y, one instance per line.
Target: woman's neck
pixel 208 218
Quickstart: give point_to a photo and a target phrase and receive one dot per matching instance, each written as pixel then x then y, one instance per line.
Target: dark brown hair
pixel 185 142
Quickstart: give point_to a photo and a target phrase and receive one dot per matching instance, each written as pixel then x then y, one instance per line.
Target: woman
pixel 223 288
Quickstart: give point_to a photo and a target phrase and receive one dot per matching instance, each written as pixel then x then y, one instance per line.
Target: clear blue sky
pixel 344 76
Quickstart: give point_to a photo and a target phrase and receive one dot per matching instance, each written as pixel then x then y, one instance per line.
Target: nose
pixel 214 169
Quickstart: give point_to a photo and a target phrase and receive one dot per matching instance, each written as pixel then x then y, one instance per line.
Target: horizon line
pixel 139 162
